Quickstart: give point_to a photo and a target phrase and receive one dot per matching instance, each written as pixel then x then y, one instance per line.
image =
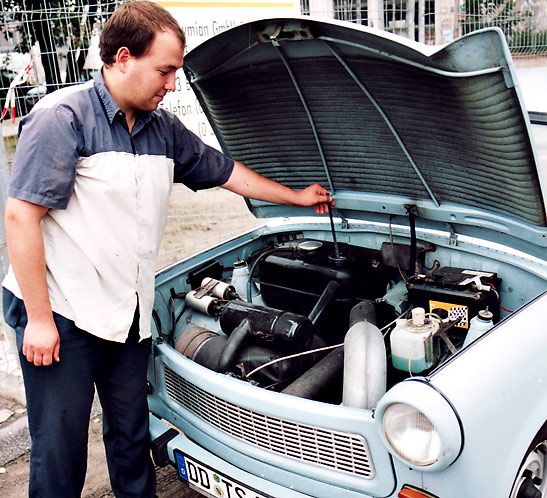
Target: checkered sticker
pixel 455 311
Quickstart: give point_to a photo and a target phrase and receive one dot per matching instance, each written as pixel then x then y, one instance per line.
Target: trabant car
pixel 397 347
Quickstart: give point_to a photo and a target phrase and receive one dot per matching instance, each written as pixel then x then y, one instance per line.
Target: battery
pixel 461 292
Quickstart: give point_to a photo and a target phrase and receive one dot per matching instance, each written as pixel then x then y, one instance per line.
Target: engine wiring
pixel 413 352
pixel 261 255
pixel 296 355
pixel 498 294
pixel 174 319
pixel 318 350
pixel 441 331
pixel 436 264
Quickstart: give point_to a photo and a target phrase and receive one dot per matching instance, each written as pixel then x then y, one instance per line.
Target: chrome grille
pixel 340 451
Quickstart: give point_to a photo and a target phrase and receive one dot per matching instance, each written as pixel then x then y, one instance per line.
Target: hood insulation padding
pixel 465 134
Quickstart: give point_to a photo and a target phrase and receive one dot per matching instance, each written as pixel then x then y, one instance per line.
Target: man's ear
pixel 122 58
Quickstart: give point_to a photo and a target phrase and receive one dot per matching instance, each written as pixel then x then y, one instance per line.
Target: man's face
pixel 150 77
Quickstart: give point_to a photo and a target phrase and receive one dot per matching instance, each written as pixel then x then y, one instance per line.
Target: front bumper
pixel 184 445
pixel 289 446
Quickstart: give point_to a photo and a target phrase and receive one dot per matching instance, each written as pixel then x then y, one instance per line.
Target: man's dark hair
pixel 134 25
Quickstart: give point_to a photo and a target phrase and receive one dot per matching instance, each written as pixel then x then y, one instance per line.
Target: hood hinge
pixel 453 235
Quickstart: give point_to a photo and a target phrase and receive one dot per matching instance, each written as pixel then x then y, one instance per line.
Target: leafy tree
pixel 515 19
pixel 482 13
pixel 56 24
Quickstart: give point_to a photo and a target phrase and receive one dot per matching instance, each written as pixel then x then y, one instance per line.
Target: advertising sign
pixel 200 20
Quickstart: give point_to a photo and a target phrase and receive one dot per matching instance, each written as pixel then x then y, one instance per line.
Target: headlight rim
pixel 420 394
pixel 398 450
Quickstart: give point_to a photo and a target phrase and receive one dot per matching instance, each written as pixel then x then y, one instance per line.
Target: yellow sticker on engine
pixel 455 311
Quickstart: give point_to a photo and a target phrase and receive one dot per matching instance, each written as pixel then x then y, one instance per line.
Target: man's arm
pixel 248 183
pixel 26 251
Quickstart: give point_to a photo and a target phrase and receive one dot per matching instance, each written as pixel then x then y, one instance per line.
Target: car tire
pixel 531 480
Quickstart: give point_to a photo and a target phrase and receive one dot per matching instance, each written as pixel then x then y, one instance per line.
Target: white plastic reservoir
pixel 478 325
pixel 412 342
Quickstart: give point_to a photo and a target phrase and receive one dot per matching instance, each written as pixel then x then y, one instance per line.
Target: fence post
pixel 4 180
pixel 421 21
pixel 323 8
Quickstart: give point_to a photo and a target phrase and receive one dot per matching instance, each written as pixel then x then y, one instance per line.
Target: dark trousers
pixel 59 399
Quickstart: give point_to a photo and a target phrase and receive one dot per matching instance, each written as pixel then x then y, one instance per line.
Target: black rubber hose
pixel 365 311
pixel 259 258
pixel 318 376
pixel 233 344
pixel 324 301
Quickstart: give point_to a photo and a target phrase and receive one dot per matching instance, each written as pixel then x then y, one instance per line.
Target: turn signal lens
pixel 407 492
pixel 411 435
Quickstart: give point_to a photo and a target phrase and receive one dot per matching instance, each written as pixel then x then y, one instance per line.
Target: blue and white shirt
pixel 108 193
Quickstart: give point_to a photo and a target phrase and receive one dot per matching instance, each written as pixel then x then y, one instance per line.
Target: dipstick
pixel 336 250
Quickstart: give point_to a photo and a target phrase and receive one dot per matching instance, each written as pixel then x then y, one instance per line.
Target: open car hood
pixel 383 122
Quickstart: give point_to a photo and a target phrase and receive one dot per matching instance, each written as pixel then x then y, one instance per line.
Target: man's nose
pixel 170 84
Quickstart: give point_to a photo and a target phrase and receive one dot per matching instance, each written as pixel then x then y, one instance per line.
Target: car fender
pixel 507 363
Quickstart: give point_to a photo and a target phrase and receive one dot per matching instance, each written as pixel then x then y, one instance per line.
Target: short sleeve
pixel 43 170
pixel 198 165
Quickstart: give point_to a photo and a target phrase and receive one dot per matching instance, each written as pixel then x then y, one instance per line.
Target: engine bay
pixel 327 321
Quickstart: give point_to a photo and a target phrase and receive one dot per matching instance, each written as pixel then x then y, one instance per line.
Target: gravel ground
pixel 14 459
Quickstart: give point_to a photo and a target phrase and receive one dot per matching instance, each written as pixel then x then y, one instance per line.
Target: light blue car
pixel 399 347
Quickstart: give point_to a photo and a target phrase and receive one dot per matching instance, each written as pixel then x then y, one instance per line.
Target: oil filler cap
pixel 310 245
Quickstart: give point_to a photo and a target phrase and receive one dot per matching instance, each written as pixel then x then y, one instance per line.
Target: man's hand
pixel 248 183
pixel 27 256
pixel 315 195
pixel 41 344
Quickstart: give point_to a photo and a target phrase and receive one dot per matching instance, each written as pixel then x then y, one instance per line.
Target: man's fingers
pixel 329 198
pixel 321 208
pixel 30 356
pixel 46 360
pixel 39 359
pixel 56 356
pixel 28 353
pixel 41 344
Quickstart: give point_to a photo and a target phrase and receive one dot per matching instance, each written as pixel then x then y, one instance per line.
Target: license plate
pixel 210 482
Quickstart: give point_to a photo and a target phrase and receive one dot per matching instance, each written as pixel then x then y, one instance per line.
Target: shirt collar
pixel 112 109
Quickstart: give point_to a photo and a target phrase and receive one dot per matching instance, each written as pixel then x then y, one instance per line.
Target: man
pixel 86 210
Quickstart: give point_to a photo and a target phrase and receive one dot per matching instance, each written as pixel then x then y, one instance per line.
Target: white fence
pixel 434 22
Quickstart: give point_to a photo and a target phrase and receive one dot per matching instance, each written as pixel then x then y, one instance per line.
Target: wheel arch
pixel 541 436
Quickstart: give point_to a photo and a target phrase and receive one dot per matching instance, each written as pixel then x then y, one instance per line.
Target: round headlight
pixel 411 435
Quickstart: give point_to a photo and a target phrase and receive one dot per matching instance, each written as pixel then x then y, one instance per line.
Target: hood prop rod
pixel 387 121
pixel 276 44
pixel 386 55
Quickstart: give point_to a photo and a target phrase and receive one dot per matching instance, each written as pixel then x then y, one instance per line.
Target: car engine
pixel 331 322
